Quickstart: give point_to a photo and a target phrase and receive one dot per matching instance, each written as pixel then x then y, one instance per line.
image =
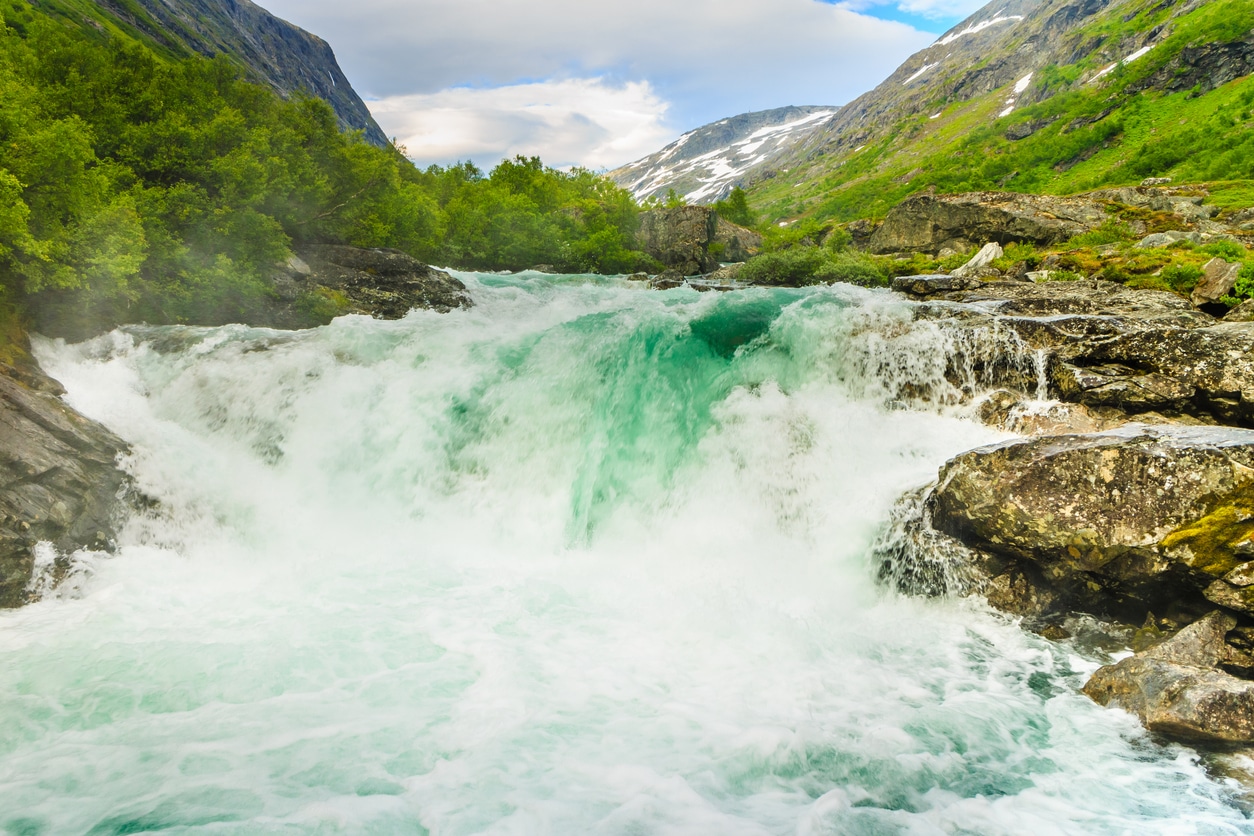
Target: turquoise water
pixel 583 559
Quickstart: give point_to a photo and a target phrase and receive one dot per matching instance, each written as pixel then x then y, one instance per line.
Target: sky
pixel 599 84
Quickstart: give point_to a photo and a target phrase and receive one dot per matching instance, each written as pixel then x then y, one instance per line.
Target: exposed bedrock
pixel 1107 347
pixel 692 240
pixel 930 223
pixel 1142 524
pixel 59 481
pixel 383 283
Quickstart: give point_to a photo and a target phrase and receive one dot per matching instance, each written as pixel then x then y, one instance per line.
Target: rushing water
pixel 583 559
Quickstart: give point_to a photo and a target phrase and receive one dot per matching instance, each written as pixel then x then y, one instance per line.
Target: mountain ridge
pixel 275 53
pixel 708 162
pixel 1037 96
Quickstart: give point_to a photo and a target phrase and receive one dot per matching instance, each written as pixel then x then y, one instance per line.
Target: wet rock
pixel 59 480
pixel 1177 688
pixel 383 283
pixel 1120 386
pixel 1119 522
pixel 1218 279
pixel 1121 308
pixel 1216 361
pixel 933 283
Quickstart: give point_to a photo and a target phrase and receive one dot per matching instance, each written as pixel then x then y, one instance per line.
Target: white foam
pixel 570 561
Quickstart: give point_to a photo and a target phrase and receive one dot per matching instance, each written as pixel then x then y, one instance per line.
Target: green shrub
pixel 852 268
pixel 1244 288
pixel 1181 277
pixel 793 267
pixel 1113 231
pixel 838 240
pixel 1230 250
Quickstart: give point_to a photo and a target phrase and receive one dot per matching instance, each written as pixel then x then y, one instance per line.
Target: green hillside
pixel 1157 115
pixel 138 186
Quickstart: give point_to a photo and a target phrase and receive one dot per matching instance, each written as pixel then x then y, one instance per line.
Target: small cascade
pixel 911 557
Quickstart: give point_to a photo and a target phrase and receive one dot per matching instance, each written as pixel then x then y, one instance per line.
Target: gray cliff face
pixel 59 481
pixel 284 57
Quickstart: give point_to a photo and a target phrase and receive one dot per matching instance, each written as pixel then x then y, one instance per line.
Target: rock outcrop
pixel 1149 522
pixel 929 223
pixel 1109 346
pixel 1178 688
pixel 59 481
pixel 334 279
pixel 384 283
pixel 694 239
pixel 1117 523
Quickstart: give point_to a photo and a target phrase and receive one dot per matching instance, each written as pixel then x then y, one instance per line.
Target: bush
pixel 1111 232
pixel 852 268
pixel 1230 250
pixel 1181 277
pixel 793 267
pixel 809 265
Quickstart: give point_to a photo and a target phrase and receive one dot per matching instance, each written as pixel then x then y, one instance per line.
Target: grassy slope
pixel 1187 136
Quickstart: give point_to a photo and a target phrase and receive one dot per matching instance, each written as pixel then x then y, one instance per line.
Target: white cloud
pixel 390 47
pixel 585 122
pixel 708 58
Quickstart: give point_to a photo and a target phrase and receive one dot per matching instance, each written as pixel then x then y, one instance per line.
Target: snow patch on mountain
pixel 705 164
pixel 976 27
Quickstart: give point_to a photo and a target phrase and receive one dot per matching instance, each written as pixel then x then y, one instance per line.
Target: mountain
pixel 705 164
pixel 284 57
pixel 1035 96
pixel 1044 96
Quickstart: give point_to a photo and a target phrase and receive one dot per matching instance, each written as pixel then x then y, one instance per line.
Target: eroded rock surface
pixel 59 480
pixel 1120 522
pixel 693 239
pixel 1178 688
pixel 930 223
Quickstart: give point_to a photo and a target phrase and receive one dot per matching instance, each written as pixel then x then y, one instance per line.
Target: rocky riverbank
pixel 1131 498
pixel 60 485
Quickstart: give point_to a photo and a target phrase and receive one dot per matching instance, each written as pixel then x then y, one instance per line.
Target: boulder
pixel 1118 522
pixel 1178 689
pixel 59 482
pixel 981 263
pixel 934 283
pixel 1216 361
pixel 929 223
pixel 694 239
pixel 383 283
pixel 1166 239
pixel 1218 279
pixel 1243 312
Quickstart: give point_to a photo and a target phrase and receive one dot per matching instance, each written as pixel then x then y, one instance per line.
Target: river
pixel 585 558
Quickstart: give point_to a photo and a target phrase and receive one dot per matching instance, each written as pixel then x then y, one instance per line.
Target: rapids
pixel 583 559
